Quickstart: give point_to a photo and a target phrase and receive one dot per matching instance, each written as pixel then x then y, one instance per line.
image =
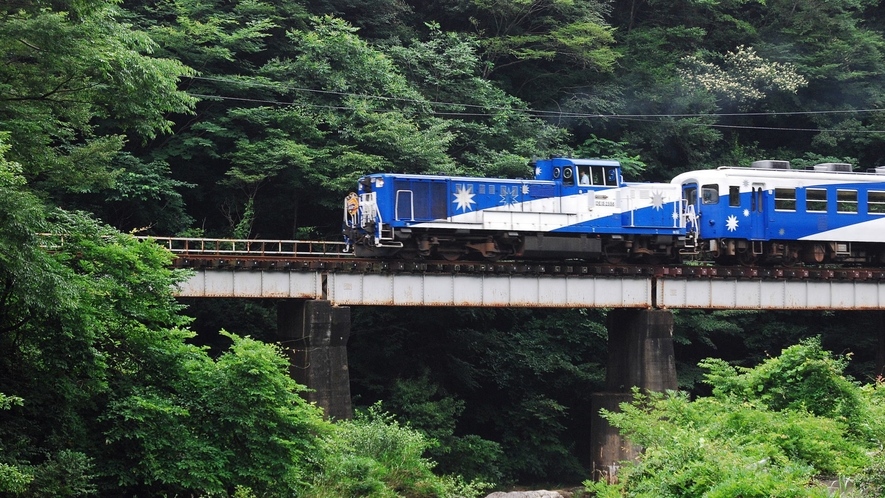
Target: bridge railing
pixel 250 247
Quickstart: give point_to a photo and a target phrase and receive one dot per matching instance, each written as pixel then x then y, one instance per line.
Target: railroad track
pixel 355 265
pixel 331 256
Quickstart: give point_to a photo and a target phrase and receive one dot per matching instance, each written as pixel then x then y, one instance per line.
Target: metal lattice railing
pixel 250 247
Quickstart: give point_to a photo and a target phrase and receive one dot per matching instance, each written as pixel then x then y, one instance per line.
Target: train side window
pixel 846 201
pixel 816 200
pixel 583 175
pixel 568 176
pixel 611 176
pixel 598 178
pixel 710 194
pixel 785 199
pixel 876 202
pixel 734 196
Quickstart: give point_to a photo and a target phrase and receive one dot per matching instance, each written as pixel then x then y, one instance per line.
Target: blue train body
pixel 573 208
pixel 583 208
pixel 772 213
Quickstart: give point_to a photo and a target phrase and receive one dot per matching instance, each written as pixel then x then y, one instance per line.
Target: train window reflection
pixel 846 201
pixel 734 196
pixel 710 194
pixel 816 200
pixel 876 202
pixel 785 199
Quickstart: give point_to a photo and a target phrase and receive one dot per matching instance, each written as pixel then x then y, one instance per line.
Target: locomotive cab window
pixel 785 199
pixel 710 194
pixel 816 200
pixel 734 196
pixel 584 175
pixel 846 201
pixel 876 202
pixel 610 174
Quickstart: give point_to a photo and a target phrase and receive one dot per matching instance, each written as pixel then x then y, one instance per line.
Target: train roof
pixel 543 170
pixel 825 172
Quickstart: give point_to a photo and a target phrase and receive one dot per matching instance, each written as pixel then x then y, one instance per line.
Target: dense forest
pixel 254 118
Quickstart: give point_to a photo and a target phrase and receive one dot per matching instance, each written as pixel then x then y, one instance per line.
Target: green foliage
pixel 68 473
pixel 54 94
pixel 111 397
pixel 524 377
pixel 375 456
pixel 766 431
pixel 872 481
pixel 14 479
pixel 236 420
pixel 435 415
pixel 631 163
pixel 803 378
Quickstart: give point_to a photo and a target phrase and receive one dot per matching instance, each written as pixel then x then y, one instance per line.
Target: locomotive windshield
pixel 606 176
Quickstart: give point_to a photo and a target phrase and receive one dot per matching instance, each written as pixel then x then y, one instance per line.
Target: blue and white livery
pixel 573 208
pixel 771 213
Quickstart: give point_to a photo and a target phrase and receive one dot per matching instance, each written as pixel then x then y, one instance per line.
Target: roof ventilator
pixel 770 164
pixel 837 167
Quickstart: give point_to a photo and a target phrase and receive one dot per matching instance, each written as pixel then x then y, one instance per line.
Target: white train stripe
pixel 867 231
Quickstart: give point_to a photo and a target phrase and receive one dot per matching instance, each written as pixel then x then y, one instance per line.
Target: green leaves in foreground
pixel 766 431
pixel 374 455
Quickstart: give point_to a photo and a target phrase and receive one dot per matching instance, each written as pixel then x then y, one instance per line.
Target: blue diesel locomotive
pixel 573 208
pixel 583 209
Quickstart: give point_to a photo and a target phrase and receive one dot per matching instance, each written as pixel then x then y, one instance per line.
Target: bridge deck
pixel 524 290
pixel 323 270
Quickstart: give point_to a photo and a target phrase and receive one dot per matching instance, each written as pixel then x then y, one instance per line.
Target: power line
pixel 531 112
pixel 535 111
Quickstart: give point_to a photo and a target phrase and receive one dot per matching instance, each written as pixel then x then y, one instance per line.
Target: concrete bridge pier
pixel 315 334
pixel 640 353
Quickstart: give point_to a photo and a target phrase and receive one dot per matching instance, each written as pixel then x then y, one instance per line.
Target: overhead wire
pixel 649 118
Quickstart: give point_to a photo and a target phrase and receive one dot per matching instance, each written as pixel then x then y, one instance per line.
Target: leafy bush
pixel 766 431
pixel 374 456
pixel 435 415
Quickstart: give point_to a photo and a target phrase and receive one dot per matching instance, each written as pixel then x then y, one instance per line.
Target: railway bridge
pixel 316 283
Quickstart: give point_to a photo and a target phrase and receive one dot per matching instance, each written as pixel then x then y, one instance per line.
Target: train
pixel 583 209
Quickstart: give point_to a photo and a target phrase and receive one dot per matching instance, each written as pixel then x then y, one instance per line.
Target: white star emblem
pixel 538 171
pixel 746 213
pixel 464 197
pixel 510 196
pixel 731 223
pixel 657 200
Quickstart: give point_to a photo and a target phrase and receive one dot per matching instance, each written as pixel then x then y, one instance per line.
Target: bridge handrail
pixel 229 247
pixel 249 247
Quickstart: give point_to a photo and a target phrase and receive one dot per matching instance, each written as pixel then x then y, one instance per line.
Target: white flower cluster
pixel 743 76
